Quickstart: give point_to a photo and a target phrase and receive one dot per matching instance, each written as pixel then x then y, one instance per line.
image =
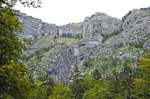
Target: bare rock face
pixel 104 36
pixel 62 66
pixel 100 23
pixel 75 28
pixel 35 28
pixel 135 33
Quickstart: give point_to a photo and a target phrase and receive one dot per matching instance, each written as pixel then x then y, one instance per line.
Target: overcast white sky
pixel 61 12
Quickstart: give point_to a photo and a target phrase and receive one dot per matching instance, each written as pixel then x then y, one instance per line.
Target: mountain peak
pixel 100 14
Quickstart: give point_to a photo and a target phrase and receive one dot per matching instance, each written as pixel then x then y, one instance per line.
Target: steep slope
pixel 135 32
pixel 91 44
pixel 126 45
pixel 35 28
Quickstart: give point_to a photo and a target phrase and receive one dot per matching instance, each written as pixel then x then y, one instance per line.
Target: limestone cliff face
pixel 98 23
pixel 103 36
pixel 135 33
pixel 36 28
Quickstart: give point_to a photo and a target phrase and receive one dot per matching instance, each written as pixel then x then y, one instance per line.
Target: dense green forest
pixel 127 82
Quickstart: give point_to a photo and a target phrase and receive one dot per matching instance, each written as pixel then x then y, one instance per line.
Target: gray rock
pixel 60 62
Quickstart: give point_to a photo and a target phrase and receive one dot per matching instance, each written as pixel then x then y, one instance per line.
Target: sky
pixel 62 12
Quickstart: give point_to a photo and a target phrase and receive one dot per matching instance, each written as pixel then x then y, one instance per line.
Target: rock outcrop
pixel 103 36
pixel 97 23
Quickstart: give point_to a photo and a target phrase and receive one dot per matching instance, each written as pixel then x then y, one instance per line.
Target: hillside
pixel 99 42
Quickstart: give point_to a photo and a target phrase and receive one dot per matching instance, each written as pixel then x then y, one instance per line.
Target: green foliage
pixel 38 53
pixel 71 35
pixel 137 44
pixel 119 75
pixel 75 85
pixel 121 44
pixel 96 74
pixel 79 36
pixel 101 63
pixel 126 79
pixel 98 91
pixel 61 91
pixel 12 72
pixel 66 41
pixel 121 82
pixel 28 41
pixel 10 47
pixel 26 3
pixel 38 92
pixel 89 89
pixel 88 62
pixel 67 35
pixel 42 90
pixel 142 82
pixel 79 87
pixel 13 80
pixel 116 32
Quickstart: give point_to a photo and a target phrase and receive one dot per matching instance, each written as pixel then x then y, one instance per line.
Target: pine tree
pixel 126 80
pixel 96 74
pixel 75 85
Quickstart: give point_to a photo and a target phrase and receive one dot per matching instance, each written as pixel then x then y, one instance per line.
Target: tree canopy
pixel 13 79
pixel 26 3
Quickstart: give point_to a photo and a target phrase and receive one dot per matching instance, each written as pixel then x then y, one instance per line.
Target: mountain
pixel 99 42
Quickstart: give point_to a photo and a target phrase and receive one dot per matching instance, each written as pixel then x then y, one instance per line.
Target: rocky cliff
pixel 99 23
pixel 57 50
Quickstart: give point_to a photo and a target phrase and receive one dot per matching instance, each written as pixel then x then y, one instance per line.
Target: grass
pixel 44 41
pixel 67 41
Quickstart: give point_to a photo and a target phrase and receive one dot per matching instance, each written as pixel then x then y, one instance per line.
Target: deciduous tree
pixel 142 82
pixel 13 81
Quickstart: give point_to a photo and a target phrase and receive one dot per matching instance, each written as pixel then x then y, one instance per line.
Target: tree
pixel 142 82
pixel 88 62
pixel 114 84
pixel 41 89
pixel 26 3
pixel 13 81
pixel 99 91
pixel 61 91
pixel 80 85
pixel 96 74
pixel 126 76
pixel 75 84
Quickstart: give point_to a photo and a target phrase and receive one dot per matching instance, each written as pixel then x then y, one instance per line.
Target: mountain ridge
pixel 58 50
